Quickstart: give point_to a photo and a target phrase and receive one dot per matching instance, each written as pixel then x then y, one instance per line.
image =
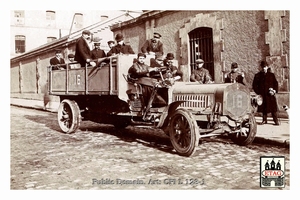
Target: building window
pixel 50 17
pixel 201 46
pixel 20 43
pixel 78 20
pixel 50 39
pixel 19 17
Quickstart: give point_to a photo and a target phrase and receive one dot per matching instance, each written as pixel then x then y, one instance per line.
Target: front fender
pixel 167 113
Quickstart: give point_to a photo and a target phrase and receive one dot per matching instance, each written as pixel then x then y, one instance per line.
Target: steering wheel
pixel 162 69
pixel 156 74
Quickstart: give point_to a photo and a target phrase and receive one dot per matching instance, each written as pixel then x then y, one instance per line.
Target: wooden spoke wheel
pixel 68 116
pixel 184 132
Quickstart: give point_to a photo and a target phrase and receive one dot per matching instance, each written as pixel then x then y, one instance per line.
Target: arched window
pixel 201 46
pixel 78 20
pixel 50 17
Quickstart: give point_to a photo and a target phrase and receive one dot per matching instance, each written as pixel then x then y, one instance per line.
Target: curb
pixel 274 142
pixel 35 108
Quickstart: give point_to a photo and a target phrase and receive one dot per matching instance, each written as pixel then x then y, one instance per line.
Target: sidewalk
pixel 266 134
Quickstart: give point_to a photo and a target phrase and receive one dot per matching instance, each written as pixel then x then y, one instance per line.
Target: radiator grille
pixel 195 100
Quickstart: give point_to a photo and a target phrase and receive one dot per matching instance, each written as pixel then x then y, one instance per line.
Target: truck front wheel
pixel 247 132
pixel 184 132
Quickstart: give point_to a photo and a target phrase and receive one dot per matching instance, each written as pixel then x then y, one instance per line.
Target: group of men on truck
pixel 84 56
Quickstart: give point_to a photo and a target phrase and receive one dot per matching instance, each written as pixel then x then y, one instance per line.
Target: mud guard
pixel 167 113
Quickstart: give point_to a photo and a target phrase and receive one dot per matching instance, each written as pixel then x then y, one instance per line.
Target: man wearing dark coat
pixel 97 52
pixel 266 85
pixel 121 47
pixel 171 68
pixel 236 75
pixel 153 46
pixel 57 60
pixel 83 51
pixel 98 55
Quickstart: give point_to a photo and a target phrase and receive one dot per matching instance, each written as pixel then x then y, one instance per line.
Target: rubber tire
pixel 184 132
pixel 249 123
pixel 68 116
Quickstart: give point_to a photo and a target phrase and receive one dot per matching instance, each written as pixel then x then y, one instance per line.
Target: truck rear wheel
pixel 68 116
pixel 248 132
pixel 184 132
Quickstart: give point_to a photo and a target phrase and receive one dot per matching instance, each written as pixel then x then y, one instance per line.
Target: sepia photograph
pixel 143 100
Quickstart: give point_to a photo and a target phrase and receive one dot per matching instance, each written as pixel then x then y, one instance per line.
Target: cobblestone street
pixel 97 157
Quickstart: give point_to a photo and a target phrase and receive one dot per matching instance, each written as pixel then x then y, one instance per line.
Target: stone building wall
pixel 245 37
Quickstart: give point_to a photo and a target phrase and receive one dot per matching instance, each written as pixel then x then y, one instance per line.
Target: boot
pixel 264 121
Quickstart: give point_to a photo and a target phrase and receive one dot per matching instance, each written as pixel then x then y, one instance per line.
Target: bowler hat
pixel 86 32
pixel 263 63
pixel 71 55
pixel 170 56
pixel 57 51
pixel 119 37
pixel 156 35
pixel 141 55
pixel 199 61
pixel 234 65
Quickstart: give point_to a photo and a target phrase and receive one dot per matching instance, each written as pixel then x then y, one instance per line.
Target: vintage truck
pixel 107 95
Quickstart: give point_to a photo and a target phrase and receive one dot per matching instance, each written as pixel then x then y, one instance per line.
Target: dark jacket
pixel 138 70
pixel 236 77
pixel 172 68
pixel 158 48
pixel 56 61
pixel 97 53
pixel 124 49
pixel 261 84
pixel 82 52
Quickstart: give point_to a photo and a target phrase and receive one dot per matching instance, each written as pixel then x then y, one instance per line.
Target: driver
pixel 139 70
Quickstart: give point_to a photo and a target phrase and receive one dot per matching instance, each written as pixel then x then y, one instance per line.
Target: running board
pixel 141 123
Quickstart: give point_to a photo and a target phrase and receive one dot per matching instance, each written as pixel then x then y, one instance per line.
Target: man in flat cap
pixel 111 44
pixel 121 47
pixel 57 61
pixel 83 51
pixel 200 74
pixel 153 46
pixel 266 85
pixel 98 55
pixel 235 75
pixel 72 63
